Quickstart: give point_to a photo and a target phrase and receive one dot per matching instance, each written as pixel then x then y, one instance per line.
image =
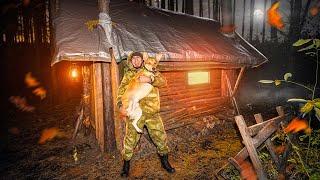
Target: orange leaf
pixel 274 17
pixel 297 125
pixel 30 80
pixel 314 11
pixel 280 149
pixel 40 91
pixel 21 103
pixel 247 172
pixel 49 134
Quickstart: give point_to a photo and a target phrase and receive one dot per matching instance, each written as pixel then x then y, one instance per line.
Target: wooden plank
pixel 236 86
pixel 115 81
pixel 108 109
pixel 98 105
pixel 193 65
pixel 269 145
pixel 254 129
pixel 248 142
pixel 262 135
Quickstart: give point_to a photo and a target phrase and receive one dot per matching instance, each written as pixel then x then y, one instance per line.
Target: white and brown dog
pixel 137 90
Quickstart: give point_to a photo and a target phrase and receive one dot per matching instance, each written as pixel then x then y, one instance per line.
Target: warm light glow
pixel 258 13
pixel 274 17
pixel 199 77
pixel 74 73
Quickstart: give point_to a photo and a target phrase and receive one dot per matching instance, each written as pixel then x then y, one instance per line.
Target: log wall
pixel 180 102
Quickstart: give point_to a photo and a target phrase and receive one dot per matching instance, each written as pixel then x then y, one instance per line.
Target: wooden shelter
pixel 203 66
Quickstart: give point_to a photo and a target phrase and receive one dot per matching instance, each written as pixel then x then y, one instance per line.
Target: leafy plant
pixel 308 167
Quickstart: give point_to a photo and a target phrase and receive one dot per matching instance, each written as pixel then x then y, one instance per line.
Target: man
pixel 150 118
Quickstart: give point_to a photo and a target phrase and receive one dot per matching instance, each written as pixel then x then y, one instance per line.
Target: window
pixel 200 77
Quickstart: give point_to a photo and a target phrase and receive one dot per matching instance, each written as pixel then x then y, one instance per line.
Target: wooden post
pixel 236 86
pixel 248 142
pixel 269 145
pixel 119 129
pixel 98 104
pixel 108 108
pixel 105 109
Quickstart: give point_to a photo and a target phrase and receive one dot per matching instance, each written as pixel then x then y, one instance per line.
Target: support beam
pixel 115 81
pixel 108 107
pixel 249 143
pixel 236 86
pixel 98 105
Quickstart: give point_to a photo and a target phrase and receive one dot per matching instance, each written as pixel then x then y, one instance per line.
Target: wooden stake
pixel 248 142
pixel 98 105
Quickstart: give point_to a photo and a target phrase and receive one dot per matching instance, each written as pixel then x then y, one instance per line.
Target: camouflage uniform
pixel 150 118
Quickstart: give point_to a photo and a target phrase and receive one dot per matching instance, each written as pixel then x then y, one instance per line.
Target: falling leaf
pixel 30 80
pixel 247 172
pixel 21 103
pixel 277 82
pixel 266 81
pixel 287 76
pixel 297 125
pixel 314 11
pixel 307 107
pixel 41 92
pixel 14 131
pixel 274 17
pixel 280 149
pixel 49 134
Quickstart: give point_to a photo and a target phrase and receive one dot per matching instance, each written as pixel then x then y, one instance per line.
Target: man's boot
pixel 125 168
pixel 165 163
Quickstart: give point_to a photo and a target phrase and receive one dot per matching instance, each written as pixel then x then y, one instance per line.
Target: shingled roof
pixel 178 36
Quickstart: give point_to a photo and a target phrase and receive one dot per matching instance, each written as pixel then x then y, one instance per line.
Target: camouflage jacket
pixel 151 103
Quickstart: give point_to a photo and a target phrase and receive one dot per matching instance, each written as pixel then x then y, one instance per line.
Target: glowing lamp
pixel 74 71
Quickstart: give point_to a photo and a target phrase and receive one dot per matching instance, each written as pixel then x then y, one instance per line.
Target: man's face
pixel 136 61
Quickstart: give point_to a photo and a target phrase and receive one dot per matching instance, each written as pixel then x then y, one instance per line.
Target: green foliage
pixel 304 162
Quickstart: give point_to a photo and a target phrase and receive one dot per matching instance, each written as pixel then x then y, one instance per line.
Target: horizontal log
pixel 194 65
pixel 254 129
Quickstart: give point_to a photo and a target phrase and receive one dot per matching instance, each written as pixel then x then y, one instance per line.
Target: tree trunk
pixel 251 20
pixel 183 8
pixel 189 6
pixel 216 10
pixel 273 30
pixel 305 13
pixel 107 134
pixel 209 9
pixel 295 28
pixel 264 20
pixel 234 12
pixel 171 5
pixel 200 8
pixel 243 17
pixel 163 4
pixel 177 5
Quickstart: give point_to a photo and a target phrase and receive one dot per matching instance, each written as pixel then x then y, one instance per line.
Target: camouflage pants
pixel 155 129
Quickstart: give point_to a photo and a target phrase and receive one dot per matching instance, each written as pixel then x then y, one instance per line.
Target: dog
pixel 137 90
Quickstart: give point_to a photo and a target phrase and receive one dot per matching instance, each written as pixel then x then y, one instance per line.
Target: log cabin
pixel 203 61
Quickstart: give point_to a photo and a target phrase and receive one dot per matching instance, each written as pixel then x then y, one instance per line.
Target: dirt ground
pixel 197 150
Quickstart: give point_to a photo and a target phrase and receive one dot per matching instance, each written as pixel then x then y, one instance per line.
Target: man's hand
pixel 144 79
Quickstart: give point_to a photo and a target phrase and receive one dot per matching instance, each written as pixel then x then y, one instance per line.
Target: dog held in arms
pixel 137 90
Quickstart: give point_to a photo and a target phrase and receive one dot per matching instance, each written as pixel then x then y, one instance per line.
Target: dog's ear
pixel 145 55
pixel 159 56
